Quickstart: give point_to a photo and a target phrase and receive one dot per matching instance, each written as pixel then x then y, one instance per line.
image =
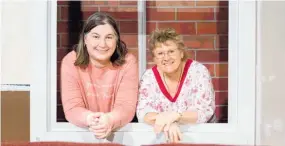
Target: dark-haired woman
pixel 99 79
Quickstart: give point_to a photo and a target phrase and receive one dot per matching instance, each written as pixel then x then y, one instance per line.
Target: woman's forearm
pixel 188 117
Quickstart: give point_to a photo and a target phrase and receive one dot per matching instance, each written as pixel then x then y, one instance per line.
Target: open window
pixel 50 45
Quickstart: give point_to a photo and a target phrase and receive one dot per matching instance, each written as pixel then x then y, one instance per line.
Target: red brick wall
pixel 203 24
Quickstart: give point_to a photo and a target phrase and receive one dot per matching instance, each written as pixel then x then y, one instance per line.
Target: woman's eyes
pixel 96 37
pixel 109 37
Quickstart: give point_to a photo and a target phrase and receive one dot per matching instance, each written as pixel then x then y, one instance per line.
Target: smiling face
pixel 101 43
pixel 167 56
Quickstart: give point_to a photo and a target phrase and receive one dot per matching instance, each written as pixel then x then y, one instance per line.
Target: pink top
pixel 109 89
pixel 195 93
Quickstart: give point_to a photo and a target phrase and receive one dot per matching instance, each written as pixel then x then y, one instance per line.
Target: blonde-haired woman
pixel 177 90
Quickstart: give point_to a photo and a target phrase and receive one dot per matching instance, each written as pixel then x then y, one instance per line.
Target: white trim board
pixel 15 87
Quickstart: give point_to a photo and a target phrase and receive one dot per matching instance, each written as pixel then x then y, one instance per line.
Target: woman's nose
pixel 166 56
pixel 102 43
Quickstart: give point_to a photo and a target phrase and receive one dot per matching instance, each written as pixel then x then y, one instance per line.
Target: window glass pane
pixel 204 28
pixel 70 18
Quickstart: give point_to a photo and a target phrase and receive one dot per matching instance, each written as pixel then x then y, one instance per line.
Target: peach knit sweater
pixel 110 89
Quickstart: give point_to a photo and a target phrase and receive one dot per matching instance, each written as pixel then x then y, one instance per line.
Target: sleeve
pixel 126 96
pixel 146 98
pixel 73 105
pixel 205 97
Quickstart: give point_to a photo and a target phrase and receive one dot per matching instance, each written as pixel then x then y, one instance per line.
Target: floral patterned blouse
pixel 195 93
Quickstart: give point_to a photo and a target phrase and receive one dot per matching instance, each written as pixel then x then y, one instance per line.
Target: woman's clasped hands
pixel 100 124
pixel 167 122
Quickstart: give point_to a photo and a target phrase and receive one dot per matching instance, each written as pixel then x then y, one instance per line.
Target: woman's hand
pixel 103 127
pixel 164 120
pixel 173 134
pixel 93 118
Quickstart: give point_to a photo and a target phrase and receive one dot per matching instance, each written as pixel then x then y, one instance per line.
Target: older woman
pixel 176 90
pixel 99 80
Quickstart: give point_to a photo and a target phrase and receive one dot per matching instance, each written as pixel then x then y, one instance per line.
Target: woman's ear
pixel 182 54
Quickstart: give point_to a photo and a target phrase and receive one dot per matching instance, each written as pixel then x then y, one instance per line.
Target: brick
pixel 62 2
pixel 62 27
pixel 69 39
pixel 150 26
pixel 222 41
pixel 93 2
pixel 190 54
pixel 222 27
pixel 195 14
pixel 222 14
pixel 128 2
pixel 58 40
pixel 113 3
pixel 58 12
pixel 220 84
pixel 149 56
pixel 170 3
pixel 147 40
pixel 58 97
pixel 211 69
pixel 58 78
pixel 129 27
pixel 198 42
pixel 69 27
pixel 212 28
pixel 61 52
pixel 160 14
pixel 221 98
pixel 221 70
pixel 180 27
pixel 212 56
pixel 87 8
pixel 64 39
pixel 211 3
pixel 86 15
pixel 130 40
pixel 121 13
pixel 58 66
pixel 64 13
pixel 58 83
pixel 221 113
pixel 72 11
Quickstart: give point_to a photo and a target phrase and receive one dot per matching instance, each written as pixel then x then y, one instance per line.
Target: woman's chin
pixel 101 57
pixel 168 70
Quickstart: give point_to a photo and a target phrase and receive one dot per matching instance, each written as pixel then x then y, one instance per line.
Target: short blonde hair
pixel 160 36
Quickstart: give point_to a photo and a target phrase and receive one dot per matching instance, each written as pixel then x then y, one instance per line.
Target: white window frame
pixel 240 128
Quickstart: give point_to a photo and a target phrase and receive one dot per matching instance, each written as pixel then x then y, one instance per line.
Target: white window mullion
pixel 142 36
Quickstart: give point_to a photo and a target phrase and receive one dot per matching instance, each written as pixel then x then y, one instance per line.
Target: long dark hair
pixel 100 18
